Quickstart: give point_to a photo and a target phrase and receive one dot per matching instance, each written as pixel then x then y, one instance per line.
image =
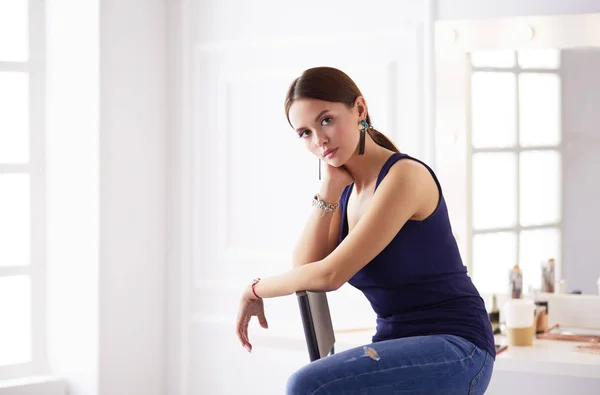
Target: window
pixel 22 213
pixel 515 173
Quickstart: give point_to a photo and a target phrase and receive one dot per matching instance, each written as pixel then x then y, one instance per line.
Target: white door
pixel 252 186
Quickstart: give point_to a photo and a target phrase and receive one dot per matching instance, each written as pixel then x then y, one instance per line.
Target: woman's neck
pixel 365 168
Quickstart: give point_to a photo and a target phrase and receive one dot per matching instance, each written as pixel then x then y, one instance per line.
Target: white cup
pixel 519 313
pixel 519 317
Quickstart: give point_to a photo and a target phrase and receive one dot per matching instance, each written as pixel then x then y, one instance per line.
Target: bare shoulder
pixel 412 177
pixel 410 171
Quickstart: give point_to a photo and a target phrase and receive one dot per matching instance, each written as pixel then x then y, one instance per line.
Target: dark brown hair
pixel 332 85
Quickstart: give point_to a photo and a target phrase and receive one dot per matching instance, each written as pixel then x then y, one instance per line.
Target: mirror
pixel 518 147
pixel 535 154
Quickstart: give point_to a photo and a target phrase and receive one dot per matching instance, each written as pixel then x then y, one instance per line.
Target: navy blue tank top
pixel 418 284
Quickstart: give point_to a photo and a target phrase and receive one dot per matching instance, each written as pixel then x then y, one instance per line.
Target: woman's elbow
pixel 337 283
pixel 322 277
pixel 332 280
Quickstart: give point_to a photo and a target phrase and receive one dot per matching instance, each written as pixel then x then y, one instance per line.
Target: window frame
pixel 35 67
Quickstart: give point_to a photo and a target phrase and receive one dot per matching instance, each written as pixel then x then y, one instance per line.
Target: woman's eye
pixel 326 121
pixel 304 133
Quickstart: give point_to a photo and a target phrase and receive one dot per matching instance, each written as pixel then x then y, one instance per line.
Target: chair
pixel 316 320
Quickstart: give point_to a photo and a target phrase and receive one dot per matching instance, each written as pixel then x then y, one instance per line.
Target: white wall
pixel 224 20
pixel 581 168
pixel 108 145
pixel 483 9
pixel 73 193
pixel 133 176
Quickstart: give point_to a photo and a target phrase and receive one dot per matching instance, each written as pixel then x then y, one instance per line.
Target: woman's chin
pixel 334 162
pixel 338 161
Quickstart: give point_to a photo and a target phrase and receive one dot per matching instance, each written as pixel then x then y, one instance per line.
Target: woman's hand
pixel 250 306
pixel 334 181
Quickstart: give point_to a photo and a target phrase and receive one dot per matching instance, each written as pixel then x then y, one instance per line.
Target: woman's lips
pixel 330 153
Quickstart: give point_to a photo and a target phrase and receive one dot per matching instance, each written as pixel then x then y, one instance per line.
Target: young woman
pixel 380 223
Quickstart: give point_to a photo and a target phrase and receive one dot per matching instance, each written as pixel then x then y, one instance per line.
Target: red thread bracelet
pixel 256 280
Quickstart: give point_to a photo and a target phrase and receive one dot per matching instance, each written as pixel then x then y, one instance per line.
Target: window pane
pixel 13 30
pixel 494 255
pixel 540 109
pixel 14 220
pixel 494 190
pixel 14 118
pixel 15 315
pixel 540 187
pixel 537 246
pixel 539 59
pixel 493 109
pixel 503 59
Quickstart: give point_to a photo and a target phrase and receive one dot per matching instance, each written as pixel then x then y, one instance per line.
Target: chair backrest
pixel 316 320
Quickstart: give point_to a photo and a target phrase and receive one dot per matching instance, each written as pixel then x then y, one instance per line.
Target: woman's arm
pixel 401 194
pixel 408 190
pixel 320 235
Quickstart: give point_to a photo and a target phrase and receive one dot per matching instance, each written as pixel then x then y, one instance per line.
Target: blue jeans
pixel 439 364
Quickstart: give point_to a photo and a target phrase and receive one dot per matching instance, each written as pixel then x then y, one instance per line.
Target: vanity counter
pixel 555 357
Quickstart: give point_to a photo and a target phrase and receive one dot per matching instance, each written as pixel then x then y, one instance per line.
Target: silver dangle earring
pixel 363 126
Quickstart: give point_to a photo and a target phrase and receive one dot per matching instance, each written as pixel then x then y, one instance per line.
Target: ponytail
pixel 380 138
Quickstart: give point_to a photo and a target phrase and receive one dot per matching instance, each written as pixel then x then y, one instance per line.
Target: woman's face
pixel 329 130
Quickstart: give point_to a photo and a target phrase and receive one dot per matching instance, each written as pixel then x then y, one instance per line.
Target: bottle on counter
pixel 548 275
pixel 516 282
pixel 494 316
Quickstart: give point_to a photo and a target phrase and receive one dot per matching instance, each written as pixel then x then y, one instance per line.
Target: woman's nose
pixel 320 139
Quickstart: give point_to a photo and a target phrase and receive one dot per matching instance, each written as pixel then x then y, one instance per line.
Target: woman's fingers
pixel 242 331
pixel 245 333
pixel 245 314
pixel 238 331
pixel 262 320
